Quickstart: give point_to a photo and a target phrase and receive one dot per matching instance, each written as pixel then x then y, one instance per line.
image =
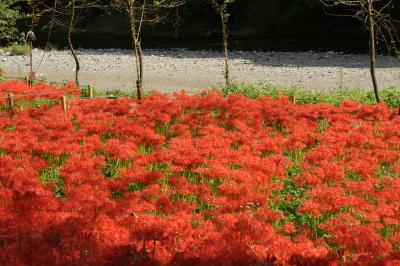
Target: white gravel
pixel 177 69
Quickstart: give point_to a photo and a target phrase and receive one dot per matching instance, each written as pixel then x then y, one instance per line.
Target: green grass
pixel 391 95
pixel 18 49
pixel 111 93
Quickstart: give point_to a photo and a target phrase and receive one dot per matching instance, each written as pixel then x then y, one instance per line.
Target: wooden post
pixel 90 92
pixel 64 103
pixel 30 79
pixel 10 102
pixel 30 38
pixel 292 98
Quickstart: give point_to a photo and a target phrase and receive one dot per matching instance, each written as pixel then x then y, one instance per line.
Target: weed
pixel 18 49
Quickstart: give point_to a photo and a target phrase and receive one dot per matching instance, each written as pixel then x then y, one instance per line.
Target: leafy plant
pixel 18 49
pixel 9 15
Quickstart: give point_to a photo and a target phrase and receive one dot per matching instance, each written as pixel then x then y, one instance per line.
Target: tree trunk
pixel 138 52
pixel 69 38
pixel 372 49
pixel 224 21
pixel 30 77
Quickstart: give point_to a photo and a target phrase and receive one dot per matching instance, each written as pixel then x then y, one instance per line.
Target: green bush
pixel 9 14
pixel 18 49
pixel 391 96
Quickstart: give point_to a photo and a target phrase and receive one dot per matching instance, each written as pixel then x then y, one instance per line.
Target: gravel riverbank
pixel 177 69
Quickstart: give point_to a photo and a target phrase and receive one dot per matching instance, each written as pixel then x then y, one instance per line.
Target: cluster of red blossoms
pixel 41 90
pixel 28 96
pixel 197 180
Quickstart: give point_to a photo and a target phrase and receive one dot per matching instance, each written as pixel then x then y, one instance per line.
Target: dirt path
pixel 177 69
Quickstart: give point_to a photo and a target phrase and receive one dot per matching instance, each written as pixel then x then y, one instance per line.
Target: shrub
pixel 18 49
pixel 391 96
pixel 9 14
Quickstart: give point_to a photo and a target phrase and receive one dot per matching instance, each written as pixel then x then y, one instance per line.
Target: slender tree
pixel 68 14
pixel 37 9
pixel 375 15
pixel 221 7
pixel 140 12
pixel 71 28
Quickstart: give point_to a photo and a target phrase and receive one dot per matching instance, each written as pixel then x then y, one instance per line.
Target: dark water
pixel 343 43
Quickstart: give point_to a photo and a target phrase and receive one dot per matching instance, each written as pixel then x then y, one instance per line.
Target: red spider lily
pixel 195 180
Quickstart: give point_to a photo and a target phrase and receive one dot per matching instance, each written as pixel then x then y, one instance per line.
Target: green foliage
pixel 55 160
pixel 51 175
pixel 18 49
pixel 190 176
pixel 353 177
pixel 296 155
pixel 323 125
pixel 290 196
pixel 109 93
pixel 111 170
pixel 157 166
pixel 386 170
pixel 145 149
pixel 391 95
pixel 136 186
pixel 193 198
pixel 9 15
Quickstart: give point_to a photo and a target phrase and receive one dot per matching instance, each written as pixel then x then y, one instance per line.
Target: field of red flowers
pixel 199 180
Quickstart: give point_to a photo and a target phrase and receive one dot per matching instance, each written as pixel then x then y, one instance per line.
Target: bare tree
pixel 71 27
pixel 140 12
pixel 67 14
pixel 375 15
pixel 221 7
pixel 36 10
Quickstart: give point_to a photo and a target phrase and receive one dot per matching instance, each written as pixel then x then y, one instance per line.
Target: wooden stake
pixel 64 103
pixel 30 77
pixel 90 92
pixel 10 102
pixel 292 99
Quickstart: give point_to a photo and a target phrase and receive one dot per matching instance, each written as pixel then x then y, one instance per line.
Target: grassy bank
pixel 391 95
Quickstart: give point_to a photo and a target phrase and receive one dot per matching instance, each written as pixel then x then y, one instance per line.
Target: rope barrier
pixel 10 106
pixel 70 98
pixel 55 92
pixel 97 97
pixel 40 93
pixel 48 82
pixel 49 100
pixel 10 97
pixel 5 77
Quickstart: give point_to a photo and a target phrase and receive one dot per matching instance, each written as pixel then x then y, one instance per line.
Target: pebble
pixel 203 68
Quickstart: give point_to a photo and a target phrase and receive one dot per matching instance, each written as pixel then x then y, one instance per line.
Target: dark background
pixel 277 25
